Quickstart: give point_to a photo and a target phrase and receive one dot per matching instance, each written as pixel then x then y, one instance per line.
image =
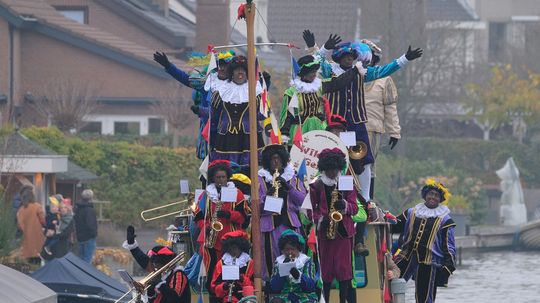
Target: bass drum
pixel 313 143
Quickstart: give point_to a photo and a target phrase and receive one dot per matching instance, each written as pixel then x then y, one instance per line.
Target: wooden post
pixel 253 157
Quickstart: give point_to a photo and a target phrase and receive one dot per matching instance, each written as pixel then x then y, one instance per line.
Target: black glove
pixel 271 190
pixel 324 224
pixel 267 77
pixel 321 116
pixel 237 287
pixel 226 286
pixel 284 183
pixel 195 109
pixel 224 214
pixel 413 54
pixel 309 38
pixel 332 42
pixel 130 235
pixel 295 119
pixel 339 205
pixel 393 141
pixel 162 59
pixel 295 273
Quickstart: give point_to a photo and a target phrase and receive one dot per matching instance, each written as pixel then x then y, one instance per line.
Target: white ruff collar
pixel 240 261
pixel 213 194
pixel 231 92
pixel 327 181
pixel 288 174
pixel 212 82
pixel 423 212
pixel 304 87
pixel 336 69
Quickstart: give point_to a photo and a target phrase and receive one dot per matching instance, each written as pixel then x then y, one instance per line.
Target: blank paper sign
pixel 285 268
pixel 228 194
pixel 184 187
pixel 230 272
pixel 345 183
pixel 273 204
pixel 349 138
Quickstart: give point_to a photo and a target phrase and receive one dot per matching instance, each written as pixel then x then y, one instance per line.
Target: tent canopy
pixel 72 276
pixel 17 287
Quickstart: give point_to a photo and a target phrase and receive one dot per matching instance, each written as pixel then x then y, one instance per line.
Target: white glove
pixel 285 139
pixel 361 70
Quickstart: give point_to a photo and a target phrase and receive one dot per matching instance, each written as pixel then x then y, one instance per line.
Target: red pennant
pixel 298 137
pixel 206 132
pixel 312 241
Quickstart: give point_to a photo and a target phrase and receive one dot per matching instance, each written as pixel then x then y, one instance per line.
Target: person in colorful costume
pixel 307 88
pixel 201 87
pixel 170 286
pixel 427 249
pixel 230 104
pixel 300 285
pixel 291 190
pixel 336 253
pixel 381 107
pixel 343 85
pixel 236 252
pixel 232 215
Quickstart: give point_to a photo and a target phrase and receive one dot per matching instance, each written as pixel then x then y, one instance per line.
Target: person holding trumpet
pixel 216 217
pixel 169 286
pixel 279 183
pixel 332 211
pixel 298 285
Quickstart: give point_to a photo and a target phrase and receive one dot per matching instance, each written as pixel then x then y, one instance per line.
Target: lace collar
pixel 212 82
pixel 212 191
pixel 241 261
pixel 288 174
pixel 327 181
pixel 299 262
pixel 304 87
pixel 423 212
pixel 336 69
pixel 231 92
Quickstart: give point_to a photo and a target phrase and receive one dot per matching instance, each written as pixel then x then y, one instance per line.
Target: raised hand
pixel 413 54
pixel 162 59
pixel 130 235
pixel 309 38
pixel 393 141
pixel 332 41
pixel 195 109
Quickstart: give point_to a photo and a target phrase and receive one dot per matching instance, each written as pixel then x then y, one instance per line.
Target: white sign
pixel 345 183
pixel 285 268
pixel 230 272
pixel 313 143
pixel 273 204
pixel 349 138
pixel 228 194
pixel 184 187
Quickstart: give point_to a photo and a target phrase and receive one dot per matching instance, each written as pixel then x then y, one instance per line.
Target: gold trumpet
pixel 358 151
pixel 144 283
pixel 186 211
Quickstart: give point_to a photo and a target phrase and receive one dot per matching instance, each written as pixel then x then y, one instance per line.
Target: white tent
pixel 17 287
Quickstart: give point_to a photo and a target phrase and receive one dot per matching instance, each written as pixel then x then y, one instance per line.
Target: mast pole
pixel 253 156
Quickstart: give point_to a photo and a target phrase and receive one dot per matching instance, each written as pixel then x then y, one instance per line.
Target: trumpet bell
pixel 217 226
pixel 336 216
pixel 359 151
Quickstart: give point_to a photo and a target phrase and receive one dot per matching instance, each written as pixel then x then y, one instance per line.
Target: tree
pixel 64 102
pixel 506 97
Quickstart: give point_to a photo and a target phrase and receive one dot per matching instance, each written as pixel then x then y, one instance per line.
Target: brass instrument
pixel 215 226
pixel 185 211
pixel 229 296
pixel 144 283
pixel 275 183
pixel 358 151
pixel 335 216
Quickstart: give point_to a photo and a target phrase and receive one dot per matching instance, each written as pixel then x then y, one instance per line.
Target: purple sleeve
pixel 352 206
pixel 297 194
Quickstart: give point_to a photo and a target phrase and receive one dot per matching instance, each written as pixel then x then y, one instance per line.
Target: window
pixel 132 128
pixel 77 14
pixel 497 41
pixel 156 126
pixel 91 127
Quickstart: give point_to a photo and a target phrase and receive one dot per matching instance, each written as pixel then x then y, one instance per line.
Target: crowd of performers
pixel 339 87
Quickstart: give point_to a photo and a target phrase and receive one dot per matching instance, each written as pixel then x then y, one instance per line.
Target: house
pixel 100 43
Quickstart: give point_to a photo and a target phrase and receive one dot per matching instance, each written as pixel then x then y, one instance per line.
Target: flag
pixel 206 131
pixel 212 64
pixel 295 67
pixel 293 104
pixel 298 137
pixel 265 105
pixel 302 171
pixel 203 169
pixel 275 134
pixel 307 202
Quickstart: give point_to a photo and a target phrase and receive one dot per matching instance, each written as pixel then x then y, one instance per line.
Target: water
pixel 504 276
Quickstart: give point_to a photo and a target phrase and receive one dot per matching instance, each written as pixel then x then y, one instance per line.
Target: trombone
pixel 183 212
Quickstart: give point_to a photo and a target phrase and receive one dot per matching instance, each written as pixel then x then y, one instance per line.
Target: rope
pixel 265 25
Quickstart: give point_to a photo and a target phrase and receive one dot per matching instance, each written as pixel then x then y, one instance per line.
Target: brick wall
pixel 213 23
